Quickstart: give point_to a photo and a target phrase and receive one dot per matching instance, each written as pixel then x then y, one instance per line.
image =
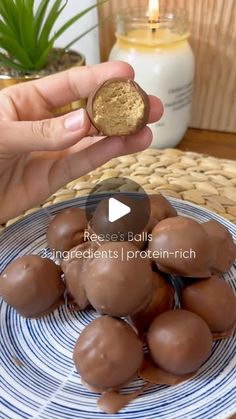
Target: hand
pixel 40 153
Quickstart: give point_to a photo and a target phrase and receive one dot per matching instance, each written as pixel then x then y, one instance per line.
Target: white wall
pixel 89 45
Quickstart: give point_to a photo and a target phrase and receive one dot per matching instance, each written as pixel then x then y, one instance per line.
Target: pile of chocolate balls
pixel 133 295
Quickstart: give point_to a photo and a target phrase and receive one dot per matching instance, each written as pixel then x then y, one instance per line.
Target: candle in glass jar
pixel 156 45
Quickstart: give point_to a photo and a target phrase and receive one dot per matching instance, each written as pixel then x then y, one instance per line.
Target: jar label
pixel 179 97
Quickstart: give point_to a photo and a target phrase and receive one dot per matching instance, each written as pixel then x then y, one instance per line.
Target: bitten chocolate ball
pixel 179 341
pixel 213 300
pixel 73 268
pixel 119 282
pixel 162 300
pixel 182 247
pixel 160 209
pixel 108 354
pixel 222 244
pixel 32 285
pixel 118 107
pixel 66 230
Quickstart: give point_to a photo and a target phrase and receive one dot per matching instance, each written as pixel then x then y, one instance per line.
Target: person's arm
pixel 40 153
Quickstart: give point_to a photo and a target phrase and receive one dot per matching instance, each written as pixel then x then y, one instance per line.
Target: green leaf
pixel 29 5
pixel 80 36
pixel 87 31
pixel 15 50
pixel 50 21
pixel 5 29
pixel 41 62
pixel 9 63
pixel 75 18
pixel 4 15
pixel 27 31
pixel 10 14
pixel 40 15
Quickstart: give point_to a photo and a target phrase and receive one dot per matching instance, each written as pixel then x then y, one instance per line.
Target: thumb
pixel 48 135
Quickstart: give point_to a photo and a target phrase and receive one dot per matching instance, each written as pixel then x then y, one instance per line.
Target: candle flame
pixel 154 11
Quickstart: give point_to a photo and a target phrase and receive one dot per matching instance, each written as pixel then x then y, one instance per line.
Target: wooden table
pixel 214 143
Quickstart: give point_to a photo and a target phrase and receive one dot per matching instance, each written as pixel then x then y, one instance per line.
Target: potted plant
pixel 27 40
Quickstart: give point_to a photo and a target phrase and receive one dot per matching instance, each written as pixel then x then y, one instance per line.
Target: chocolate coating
pixel 162 300
pixel 118 106
pixel 214 300
pixel 66 230
pixel 108 353
pixel 182 234
pixel 135 222
pixel 73 269
pixel 32 285
pixel 179 341
pixel 160 209
pixel 115 285
pixel 222 244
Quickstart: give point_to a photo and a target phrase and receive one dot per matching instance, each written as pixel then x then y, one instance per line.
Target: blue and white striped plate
pixel 38 379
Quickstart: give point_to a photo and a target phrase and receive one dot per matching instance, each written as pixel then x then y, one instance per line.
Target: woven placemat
pixel 203 180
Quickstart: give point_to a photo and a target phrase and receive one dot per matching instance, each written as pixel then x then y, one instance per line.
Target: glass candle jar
pixel 164 66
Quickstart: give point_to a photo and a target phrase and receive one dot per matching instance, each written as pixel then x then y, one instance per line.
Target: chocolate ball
pixel 32 285
pixel 213 300
pixel 161 301
pixel 115 285
pixel 133 227
pixel 118 107
pixel 73 268
pixel 222 244
pixel 179 341
pixel 160 209
pixel 66 230
pixel 181 246
pixel 108 353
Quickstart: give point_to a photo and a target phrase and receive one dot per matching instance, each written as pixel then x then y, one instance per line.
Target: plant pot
pixel 59 61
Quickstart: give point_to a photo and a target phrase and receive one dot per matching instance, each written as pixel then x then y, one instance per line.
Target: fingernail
pixel 75 120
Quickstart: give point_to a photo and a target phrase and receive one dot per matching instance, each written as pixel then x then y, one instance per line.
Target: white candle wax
pixel 164 66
